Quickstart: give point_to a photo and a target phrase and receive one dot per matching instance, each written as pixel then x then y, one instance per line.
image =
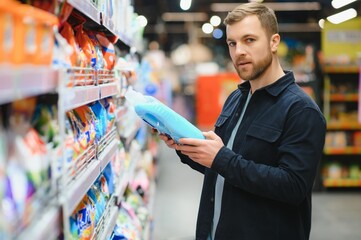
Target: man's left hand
pixel 199 150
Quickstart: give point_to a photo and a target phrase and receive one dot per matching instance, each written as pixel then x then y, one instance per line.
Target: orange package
pixel 65 11
pixel 68 33
pixel 6 30
pixel 45 36
pixel 13 30
pixel 108 51
pixel 98 50
pixel 85 45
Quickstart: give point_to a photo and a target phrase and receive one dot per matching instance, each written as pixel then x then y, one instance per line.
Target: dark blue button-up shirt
pixel 271 170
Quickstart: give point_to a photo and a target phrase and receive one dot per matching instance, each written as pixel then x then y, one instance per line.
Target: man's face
pixel 249 48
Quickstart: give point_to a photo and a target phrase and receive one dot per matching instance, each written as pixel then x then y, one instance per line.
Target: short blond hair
pixel 266 16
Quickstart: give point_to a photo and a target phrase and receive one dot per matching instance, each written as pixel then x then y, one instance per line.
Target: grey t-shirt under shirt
pixel 220 179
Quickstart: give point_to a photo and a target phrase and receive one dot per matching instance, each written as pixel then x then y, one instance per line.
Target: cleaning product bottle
pixel 161 117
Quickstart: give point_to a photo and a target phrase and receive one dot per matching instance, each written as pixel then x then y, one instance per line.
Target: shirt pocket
pixel 261 144
pixel 221 120
pixel 265 133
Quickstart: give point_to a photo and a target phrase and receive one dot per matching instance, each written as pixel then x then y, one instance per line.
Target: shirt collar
pixel 275 88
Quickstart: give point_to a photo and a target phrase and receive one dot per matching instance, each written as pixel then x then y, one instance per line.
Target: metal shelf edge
pixel 110 223
pixel 79 96
pixel 47 227
pixel 108 90
pixel 80 186
pixel 105 156
pixel 87 8
pixel 25 82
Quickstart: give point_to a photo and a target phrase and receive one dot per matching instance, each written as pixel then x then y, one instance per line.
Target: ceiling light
pixel 342 16
pixel 321 23
pixel 184 17
pixel 341 3
pixel 217 33
pixel 207 28
pixel 284 6
pixel 215 20
pixel 142 21
pixel 185 4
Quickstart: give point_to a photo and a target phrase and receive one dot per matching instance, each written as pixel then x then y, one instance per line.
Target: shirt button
pixel 212 199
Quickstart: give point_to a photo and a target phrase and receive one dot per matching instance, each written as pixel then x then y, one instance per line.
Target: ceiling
pixel 170 34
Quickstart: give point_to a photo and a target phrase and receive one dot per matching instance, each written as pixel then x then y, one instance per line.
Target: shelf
pixel 108 153
pixel 46 227
pixel 343 126
pixel 75 191
pixel 121 186
pixel 329 182
pixel 341 69
pixel 148 228
pixel 87 8
pixel 110 89
pixel 109 24
pixel 351 97
pixel 79 96
pixel 111 221
pixel 351 150
pixel 27 81
pixel 120 112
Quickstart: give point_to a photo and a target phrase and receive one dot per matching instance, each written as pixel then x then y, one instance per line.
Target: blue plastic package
pixel 161 117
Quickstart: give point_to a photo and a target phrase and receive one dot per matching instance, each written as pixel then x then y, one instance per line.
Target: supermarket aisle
pixel 336 215
pixel 177 198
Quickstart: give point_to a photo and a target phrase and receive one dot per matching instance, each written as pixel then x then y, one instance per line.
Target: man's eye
pixel 231 44
pixel 249 40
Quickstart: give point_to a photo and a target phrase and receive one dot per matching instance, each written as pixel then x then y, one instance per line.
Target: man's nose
pixel 240 49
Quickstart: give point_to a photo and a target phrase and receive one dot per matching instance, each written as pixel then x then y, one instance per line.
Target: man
pixel 258 186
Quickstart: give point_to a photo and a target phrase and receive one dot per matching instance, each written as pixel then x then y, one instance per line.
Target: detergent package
pixel 161 117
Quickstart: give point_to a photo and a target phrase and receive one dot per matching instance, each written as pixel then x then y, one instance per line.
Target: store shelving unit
pixel 17 83
pixel 21 82
pixel 76 87
pixel 343 147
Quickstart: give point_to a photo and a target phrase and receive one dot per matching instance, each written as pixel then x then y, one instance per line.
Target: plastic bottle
pixel 161 117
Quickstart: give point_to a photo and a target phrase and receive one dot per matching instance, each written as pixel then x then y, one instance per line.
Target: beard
pixel 259 68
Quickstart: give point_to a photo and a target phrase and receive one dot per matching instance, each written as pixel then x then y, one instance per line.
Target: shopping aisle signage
pixel 341 43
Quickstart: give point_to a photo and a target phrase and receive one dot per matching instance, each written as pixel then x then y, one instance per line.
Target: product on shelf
pixel 82 221
pixel 101 119
pixel 110 107
pixel 100 62
pixel 128 225
pixel 86 46
pixel 26 170
pixel 27 34
pixel 90 211
pixel 108 51
pixel 68 33
pixel 65 10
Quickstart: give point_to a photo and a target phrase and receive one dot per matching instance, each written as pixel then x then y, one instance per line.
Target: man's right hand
pixel 168 141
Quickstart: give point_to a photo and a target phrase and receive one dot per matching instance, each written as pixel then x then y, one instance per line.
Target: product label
pixel 30 35
pixel 46 41
pixel 8 33
pixel 344 36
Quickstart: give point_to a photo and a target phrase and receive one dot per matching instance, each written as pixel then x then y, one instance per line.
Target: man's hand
pixel 201 151
pixel 167 140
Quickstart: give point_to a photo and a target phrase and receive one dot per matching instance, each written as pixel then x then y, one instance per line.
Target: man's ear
pixel 275 41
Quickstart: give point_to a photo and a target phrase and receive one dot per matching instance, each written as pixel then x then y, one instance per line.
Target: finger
pixel 190 141
pixel 187 148
pixel 210 135
pixel 163 137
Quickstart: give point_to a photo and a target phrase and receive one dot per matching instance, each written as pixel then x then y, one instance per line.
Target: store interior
pixel 78 162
